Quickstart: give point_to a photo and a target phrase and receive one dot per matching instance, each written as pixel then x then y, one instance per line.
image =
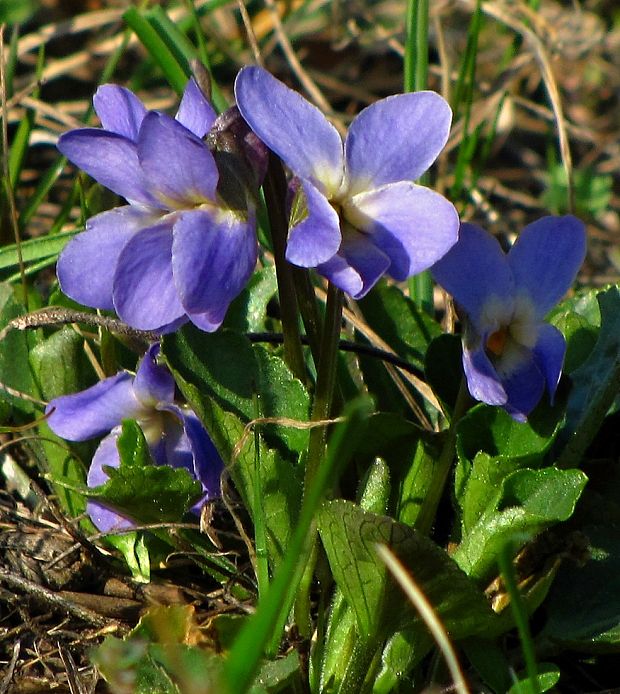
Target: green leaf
pixel 408 331
pixel 410 454
pixel 248 312
pixel 336 648
pixel 349 535
pixel 132 446
pixel 493 431
pixel 397 319
pixel 16 11
pixel 175 69
pixel 14 365
pixel 527 502
pixel 40 248
pixel 127 666
pixel 281 675
pixel 579 320
pixel 595 384
pixel 548 676
pixel 60 365
pixel 278 489
pixel 595 626
pixel 413 480
pixel 490 662
pixel 135 552
pixel 443 368
pixel 221 364
pixel 401 651
pixel 248 381
pixel 490 446
pixel 282 395
pixel 149 493
pixel 267 624
pixel 157 656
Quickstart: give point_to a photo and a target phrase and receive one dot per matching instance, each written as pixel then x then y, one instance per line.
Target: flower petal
pixel 483 381
pixel 357 267
pixel 317 237
pixel 292 127
pixel 110 159
pixel 86 265
pixel 195 112
pixel 213 256
pixel 548 354
pixel 546 258
pixel 153 383
pixel 119 110
pixel 177 165
pixel 103 517
pixel 145 296
pixel 475 272
pixel 411 224
pixel 206 464
pixel 396 139
pixel 94 411
pixel 524 388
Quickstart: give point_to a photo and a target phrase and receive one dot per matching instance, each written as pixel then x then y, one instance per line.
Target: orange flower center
pixel 496 342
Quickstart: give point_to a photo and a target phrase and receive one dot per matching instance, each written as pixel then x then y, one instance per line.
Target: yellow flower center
pixel 496 342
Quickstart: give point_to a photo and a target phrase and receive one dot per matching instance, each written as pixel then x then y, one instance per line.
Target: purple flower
pixel 178 250
pixel 174 434
pixel 509 353
pixel 360 215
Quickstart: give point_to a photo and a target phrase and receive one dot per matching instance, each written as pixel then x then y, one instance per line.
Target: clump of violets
pixel 185 245
pixel 357 214
pixel 509 353
pixel 174 434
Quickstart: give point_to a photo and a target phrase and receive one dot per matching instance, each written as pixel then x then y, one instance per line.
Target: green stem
pixel 275 198
pixel 326 379
pixel 309 311
pixel 426 517
pixel 244 657
pixel 415 79
pixel 519 613
pixel 321 410
pixel 416 46
pixel 260 533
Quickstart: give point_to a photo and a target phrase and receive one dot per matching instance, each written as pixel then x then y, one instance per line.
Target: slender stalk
pixel 415 78
pixel 309 311
pixel 275 198
pixel 416 47
pixel 260 532
pixel 9 193
pixel 326 379
pixel 321 410
pixel 519 613
pixel 244 657
pixel 426 517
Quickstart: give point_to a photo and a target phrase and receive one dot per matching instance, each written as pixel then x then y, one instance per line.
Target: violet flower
pixel 509 353
pixel 174 434
pixel 178 250
pixel 361 215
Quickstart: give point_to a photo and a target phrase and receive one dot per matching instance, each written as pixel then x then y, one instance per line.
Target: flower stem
pixel 519 612
pixel 326 379
pixel 275 197
pixel 415 79
pixel 426 518
pixel 321 410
